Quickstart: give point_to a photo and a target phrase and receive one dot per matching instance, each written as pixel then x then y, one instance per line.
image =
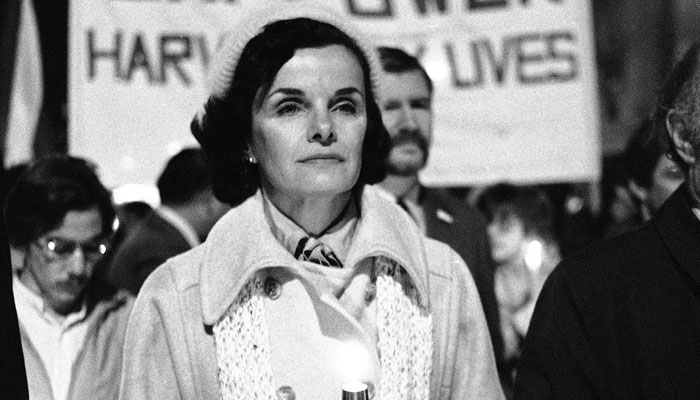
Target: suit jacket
pixel 622 321
pixel 454 222
pixel 145 248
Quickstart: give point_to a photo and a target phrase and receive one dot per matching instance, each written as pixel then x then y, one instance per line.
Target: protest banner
pixel 515 85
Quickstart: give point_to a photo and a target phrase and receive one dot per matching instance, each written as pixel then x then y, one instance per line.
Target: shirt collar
pixel 36 303
pixel 185 228
pixel 338 236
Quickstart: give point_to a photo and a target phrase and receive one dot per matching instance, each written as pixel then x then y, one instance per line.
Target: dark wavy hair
pixel 681 93
pixel 226 127
pixel 47 191
pixel 397 61
pixel 185 175
pixel 529 204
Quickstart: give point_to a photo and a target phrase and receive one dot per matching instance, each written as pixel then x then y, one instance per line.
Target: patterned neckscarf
pixel 313 250
pixel 328 248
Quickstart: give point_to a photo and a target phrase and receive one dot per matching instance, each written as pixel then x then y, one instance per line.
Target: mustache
pixel 73 284
pixel 410 136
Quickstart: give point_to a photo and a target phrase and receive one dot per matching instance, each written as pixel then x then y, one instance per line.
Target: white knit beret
pixel 226 59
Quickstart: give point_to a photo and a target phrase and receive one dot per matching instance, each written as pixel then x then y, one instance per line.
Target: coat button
pixel 285 393
pixel 272 287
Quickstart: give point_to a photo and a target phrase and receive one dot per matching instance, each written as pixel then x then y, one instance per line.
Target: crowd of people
pixel 296 251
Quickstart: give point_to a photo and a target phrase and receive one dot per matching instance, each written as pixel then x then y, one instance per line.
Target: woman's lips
pixel 322 158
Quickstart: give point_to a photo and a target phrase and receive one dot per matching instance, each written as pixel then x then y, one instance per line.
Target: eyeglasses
pixel 57 249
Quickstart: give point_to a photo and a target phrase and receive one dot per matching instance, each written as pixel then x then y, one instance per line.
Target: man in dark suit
pixel 188 211
pixel 407 114
pixel 623 321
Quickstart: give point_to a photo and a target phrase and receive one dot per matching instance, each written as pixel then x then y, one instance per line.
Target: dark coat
pixel 454 222
pixel 149 245
pixel 622 321
pixel 13 378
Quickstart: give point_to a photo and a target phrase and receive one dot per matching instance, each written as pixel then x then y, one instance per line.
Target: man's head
pixel 679 108
pixel 406 111
pixel 59 218
pixel 185 185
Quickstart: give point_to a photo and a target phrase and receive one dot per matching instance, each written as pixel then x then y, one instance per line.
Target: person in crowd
pixel 59 219
pixel 622 321
pixel 13 375
pixel 619 210
pixel 187 213
pixel 408 115
pixel 131 214
pixel 313 280
pixel 652 175
pixel 7 181
pixel 525 251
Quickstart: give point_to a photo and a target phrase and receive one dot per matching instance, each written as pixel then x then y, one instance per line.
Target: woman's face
pixel 308 129
pixel 507 235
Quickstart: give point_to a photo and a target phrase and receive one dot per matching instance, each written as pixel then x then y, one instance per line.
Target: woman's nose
pixel 322 128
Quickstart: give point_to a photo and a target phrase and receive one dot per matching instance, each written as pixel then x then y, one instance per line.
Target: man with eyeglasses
pixel 59 221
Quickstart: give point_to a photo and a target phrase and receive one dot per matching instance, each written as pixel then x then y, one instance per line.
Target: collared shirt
pixel 185 228
pixel 338 237
pixel 58 339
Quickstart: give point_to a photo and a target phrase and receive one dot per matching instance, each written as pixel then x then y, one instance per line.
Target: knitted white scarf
pixel 404 342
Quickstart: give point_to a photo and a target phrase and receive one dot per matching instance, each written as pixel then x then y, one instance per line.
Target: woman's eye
pixel 346 108
pixel 288 108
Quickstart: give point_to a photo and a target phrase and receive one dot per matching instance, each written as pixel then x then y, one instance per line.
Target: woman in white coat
pixel 312 281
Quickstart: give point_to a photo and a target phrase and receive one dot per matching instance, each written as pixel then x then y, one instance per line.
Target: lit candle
pixel 355 391
pixel 534 256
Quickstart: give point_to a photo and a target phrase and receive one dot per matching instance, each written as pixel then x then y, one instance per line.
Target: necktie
pixel 310 249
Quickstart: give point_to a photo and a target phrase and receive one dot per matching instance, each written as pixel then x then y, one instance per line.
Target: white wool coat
pixel 170 349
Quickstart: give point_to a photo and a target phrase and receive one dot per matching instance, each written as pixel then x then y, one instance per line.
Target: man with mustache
pixel 59 222
pixel 408 116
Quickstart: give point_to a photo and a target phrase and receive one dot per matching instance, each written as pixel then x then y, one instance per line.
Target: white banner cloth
pixel 515 84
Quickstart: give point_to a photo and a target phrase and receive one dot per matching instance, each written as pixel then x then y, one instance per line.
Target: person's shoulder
pixel 443 260
pixel 105 298
pixel 177 273
pixel 626 255
pixel 458 209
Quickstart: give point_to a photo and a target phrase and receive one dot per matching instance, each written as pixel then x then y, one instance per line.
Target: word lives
pixel 523 59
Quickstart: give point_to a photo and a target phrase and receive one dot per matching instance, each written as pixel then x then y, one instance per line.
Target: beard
pixel 407 165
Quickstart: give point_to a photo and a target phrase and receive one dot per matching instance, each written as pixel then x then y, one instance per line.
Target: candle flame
pixel 533 255
pixel 354 362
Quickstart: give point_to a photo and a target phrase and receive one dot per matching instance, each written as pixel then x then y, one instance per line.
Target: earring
pixel 250 159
